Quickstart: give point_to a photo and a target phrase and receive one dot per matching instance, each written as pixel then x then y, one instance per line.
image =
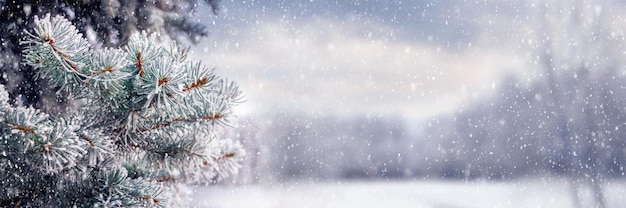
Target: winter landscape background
pixel 367 103
pixel 516 103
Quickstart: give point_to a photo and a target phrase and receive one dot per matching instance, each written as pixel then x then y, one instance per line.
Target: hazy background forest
pixel 387 90
pixel 370 89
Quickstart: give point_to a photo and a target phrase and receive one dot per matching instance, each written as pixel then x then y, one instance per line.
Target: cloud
pixel 347 66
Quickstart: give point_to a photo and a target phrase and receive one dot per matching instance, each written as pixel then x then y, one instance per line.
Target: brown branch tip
pixel 139 64
pixel 85 137
pixel 196 84
pixel 162 81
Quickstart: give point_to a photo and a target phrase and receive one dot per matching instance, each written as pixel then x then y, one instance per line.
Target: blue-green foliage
pixel 146 122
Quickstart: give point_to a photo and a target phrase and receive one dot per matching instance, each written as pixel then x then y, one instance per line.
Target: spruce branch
pixel 228 157
pixel 56 44
pixel 142 51
pixel 146 120
pixel 23 121
pixel 177 53
pixel 115 188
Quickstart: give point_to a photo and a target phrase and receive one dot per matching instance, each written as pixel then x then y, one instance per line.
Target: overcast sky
pixel 411 58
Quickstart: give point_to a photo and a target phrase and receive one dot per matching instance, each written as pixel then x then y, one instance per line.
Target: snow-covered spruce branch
pixel 146 123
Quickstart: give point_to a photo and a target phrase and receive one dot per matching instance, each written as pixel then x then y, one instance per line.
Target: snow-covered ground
pixel 549 193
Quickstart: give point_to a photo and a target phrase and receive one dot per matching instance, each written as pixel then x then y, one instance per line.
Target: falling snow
pixel 496 91
pixel 518 103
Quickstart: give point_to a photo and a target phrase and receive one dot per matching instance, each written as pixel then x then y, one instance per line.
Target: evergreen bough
pixel 145 122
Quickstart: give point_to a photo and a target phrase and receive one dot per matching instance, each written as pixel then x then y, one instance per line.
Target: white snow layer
pixel 549 193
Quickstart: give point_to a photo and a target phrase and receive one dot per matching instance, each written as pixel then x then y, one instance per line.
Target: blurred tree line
pixel 564 117
pixel 510 134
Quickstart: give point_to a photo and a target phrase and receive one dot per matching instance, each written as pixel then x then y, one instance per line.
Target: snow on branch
pixel 145 123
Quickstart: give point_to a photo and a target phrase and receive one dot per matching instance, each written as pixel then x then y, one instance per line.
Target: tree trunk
pixel 598 193
pixel 574 191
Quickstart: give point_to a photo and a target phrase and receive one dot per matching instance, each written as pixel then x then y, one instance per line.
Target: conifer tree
pixel 108 23
pixel 145 123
